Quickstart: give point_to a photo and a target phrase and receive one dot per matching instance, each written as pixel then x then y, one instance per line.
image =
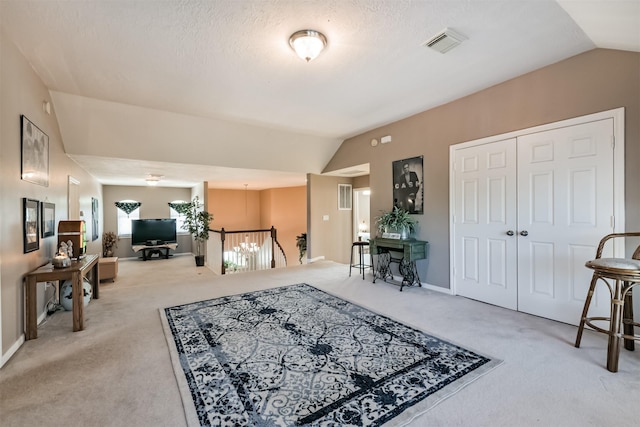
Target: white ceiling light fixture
pixel 153 180
pixel 307 44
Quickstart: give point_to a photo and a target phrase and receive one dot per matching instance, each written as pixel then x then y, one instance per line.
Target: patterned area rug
pixel 296 355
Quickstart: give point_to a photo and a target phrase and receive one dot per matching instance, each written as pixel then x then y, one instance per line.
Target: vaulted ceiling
pixel 210 90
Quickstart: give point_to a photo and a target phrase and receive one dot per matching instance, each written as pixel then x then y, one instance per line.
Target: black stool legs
pixel 361 265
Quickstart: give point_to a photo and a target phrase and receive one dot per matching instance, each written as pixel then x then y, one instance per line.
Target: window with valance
pixel 127 211
pixel 177 211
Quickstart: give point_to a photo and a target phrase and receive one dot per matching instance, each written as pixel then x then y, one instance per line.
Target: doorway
pixel 362 217
pixel 73 200
pixel 529 209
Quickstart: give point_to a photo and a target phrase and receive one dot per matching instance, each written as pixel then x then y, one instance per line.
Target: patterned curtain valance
pixel 128 207
pixel 181 208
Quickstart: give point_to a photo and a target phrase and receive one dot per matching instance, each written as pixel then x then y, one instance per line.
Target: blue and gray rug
pixel 295 355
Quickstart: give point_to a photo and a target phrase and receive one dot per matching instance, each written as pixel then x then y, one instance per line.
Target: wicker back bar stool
pixel 620 275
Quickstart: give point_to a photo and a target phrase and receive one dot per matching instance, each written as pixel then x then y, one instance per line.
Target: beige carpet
pixel 117 372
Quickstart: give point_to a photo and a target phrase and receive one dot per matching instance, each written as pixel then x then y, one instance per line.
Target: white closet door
pixel 485 214
pixel 565 206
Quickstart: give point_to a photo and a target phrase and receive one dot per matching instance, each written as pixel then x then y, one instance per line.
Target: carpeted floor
pixel 118 372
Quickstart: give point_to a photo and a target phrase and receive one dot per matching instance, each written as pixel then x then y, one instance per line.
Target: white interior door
pixel 560 188
pixel 485 264
pixel 565 206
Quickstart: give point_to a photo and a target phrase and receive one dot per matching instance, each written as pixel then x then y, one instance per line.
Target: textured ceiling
pixel 225 68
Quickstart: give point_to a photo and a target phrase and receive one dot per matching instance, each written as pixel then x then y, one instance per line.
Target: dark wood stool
pixel 361 265
pixel 620 275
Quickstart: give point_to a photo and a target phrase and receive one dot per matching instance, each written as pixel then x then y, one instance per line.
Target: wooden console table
pixel 412 250
pixel 76 273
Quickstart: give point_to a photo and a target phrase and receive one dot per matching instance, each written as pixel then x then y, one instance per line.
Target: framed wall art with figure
pixel 407 185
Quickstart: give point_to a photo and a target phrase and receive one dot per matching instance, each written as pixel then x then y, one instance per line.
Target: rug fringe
pixel 188 406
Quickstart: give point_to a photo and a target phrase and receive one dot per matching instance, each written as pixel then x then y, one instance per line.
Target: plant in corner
pixel 196 222
pixel 397 220
pixel 109 241
pixel 301 243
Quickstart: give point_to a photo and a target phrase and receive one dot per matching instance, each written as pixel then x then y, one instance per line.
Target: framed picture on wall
pixel 35 154
pixel 407 185
pixel 48 219
pixel 94 219
pixel 30 225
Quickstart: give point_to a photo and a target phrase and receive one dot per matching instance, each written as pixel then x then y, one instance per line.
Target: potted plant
pixel 109 241
pixel 196 222
pixel 398 220
pixel 301 243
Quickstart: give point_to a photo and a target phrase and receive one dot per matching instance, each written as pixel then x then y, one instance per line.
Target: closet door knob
pixel 510 233
pixel 524 233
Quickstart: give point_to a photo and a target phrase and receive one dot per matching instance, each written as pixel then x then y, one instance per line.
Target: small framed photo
pixel 35 154
pixel 30 225
pixel 94 219
pixel 48 219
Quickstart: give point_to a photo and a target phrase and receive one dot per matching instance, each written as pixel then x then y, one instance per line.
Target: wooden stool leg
pixel 627 313
pixel 613 349
pixel 585 310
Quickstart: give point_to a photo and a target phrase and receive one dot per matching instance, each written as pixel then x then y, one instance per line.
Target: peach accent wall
pixel 591 82
pixel 284 208
pixel 234 209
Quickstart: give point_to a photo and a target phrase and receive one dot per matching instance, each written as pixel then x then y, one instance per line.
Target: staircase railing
pixel 244 250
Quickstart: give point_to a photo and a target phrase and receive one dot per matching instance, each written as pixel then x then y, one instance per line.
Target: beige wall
pixel 23 93
pixel 361 182
pixel 154 205
pixel 330 238
pixel 594 81
pixel 283 208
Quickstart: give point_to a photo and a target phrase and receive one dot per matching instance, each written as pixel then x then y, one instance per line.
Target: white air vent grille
pixel 345 197
pixel 445 40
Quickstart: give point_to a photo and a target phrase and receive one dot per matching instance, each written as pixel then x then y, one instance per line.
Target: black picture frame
pixel 408 184
pixel 35 153
pixel 30 225
pixel 94 219
pixel 47 219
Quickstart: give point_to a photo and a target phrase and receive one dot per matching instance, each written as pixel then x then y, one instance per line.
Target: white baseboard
pixel 437 289
pixel 428 286
pixel 12 350
pixel 312 260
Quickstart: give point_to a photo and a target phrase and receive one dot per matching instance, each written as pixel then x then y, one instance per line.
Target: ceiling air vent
pixel 445 40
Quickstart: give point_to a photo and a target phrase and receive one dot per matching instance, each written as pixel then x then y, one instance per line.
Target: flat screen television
pixel 153 231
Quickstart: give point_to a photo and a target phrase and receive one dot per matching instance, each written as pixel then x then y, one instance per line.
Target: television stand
pixel 149 250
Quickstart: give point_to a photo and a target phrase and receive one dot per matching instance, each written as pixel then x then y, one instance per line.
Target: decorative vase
pixel 65 294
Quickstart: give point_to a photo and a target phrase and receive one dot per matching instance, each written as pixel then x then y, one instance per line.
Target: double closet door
pixel 529 211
